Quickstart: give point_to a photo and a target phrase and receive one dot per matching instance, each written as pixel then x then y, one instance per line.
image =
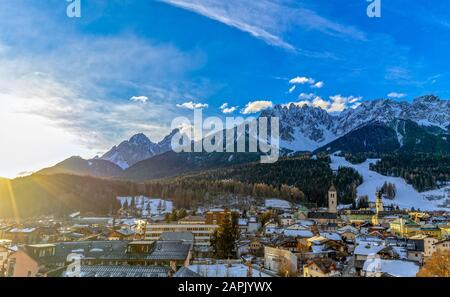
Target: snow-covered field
pixel 149 206
pixel 406 197
pixel 277 203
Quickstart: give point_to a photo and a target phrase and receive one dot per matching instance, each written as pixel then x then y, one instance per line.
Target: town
pixel 150 237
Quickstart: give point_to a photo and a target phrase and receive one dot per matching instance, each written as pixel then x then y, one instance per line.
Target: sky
pixel 78 86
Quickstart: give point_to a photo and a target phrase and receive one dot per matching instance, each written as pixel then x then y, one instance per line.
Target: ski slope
pixel 407 196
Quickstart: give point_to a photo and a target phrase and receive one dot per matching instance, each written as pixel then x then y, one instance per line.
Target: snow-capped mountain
pixel 138 148
pixel 306 128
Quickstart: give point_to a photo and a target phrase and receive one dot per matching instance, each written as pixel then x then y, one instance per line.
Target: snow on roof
pixel 24 230
pixel 331 236
pixel 243 222
pixel 305 222
pixel 367 238
pixel 297 227
pixel 368 249
pixel 317 239
pixel 75 214
pixel 298 233
pixel 348 228
pixel 397 268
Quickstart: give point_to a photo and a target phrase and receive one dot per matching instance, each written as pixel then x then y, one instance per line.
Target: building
pixel 404 227
pixel 122 271
pixel 378 208
pixel 279 260
pixel 45 259
pixel 216 216
pixel 21 264
pixel 191 220
pixel 348 233
pixel 320 267
pixel 332 199
pixel 201 232
pixel 327 220
pixel 4 252
pixel 443 246
pixel 22 235
pixel 122 234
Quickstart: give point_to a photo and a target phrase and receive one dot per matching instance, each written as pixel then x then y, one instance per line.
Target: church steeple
pixel 332 199
pixel 379 202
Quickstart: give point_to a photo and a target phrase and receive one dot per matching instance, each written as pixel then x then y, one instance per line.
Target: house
pixel 421 247
pixel 348 233
pixel 287 219
pixel 122 234
pixel 279 260
pixel 320 267
pixel 430 230
pixel 4 252
pixel 443 246
pixel 365 250
pixel 21 264
pixel 22 235
pixel 445 230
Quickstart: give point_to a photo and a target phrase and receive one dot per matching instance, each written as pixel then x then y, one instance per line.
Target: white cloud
pixel 256 106
pixel 318 85
pixel 339 102
pixel 141 99
pixel 191 105
pixel 336 103
pixel 225 109
pixel 292 89
pixel 301 80
pixel 306 96
pixel 396 95
pixel 319 102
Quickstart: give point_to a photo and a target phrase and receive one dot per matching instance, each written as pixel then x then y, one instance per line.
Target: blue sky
pixel 79 86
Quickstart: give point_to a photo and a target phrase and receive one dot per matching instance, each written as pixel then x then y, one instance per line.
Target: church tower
pixel 332 199
pixel 379 202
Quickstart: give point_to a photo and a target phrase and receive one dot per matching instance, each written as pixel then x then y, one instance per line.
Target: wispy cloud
pixel 396 95
pixel 192 105
pixel 141 99
pixel 226 109
pixel 318 85
pixel 301 80
pixel 267 20
pixel 256 106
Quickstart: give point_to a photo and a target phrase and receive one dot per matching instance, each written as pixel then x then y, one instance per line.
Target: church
pixel 327 220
